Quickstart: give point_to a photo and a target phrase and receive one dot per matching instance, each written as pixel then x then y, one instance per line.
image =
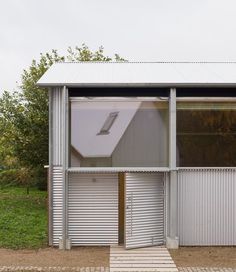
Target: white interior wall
pixel 145 142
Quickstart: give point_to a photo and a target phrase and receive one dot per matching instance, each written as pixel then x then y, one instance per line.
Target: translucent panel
pixel 119 133
pixel 206 134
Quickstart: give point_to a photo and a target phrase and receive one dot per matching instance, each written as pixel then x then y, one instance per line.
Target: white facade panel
pixel 57 191
pixel 206 207
pixel 93 209
pixel 144 209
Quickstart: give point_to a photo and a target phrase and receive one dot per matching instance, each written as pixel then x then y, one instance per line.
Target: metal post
pixel 50 190
pixel 65 145
pixel 172 234
pixel 172 129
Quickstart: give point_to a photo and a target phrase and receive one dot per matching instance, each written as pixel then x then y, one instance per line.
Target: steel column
pixel 50 169
pixel 172 234
pixel 65 127
pixel 172 129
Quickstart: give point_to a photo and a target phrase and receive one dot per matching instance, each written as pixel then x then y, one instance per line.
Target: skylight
pixel 108 123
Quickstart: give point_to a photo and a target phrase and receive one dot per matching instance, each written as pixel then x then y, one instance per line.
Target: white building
pixel 142 154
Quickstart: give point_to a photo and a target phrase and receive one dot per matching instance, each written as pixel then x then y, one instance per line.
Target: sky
pixel 138 30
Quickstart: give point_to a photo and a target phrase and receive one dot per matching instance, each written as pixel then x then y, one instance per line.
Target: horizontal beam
pixel 116 169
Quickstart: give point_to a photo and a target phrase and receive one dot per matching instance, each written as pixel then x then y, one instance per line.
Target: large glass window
pixel 206 134
pixel 119 132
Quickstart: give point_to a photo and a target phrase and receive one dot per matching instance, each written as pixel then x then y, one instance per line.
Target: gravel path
pixel 53 257
pixel 204 257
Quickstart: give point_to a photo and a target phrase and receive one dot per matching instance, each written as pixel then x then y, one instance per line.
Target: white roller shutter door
pixel 93 209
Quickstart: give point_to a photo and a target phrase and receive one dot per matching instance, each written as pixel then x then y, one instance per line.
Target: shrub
pixel 17 177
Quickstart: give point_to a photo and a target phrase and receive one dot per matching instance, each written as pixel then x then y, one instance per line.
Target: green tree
pixel 24 114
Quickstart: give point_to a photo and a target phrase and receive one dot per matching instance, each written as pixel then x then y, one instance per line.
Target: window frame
pixel 117 169
pixel 207 104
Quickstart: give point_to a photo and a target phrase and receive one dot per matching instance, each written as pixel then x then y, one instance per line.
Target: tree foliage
pixel 24 114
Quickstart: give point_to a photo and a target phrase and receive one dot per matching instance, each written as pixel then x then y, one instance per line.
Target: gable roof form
pixel 140 74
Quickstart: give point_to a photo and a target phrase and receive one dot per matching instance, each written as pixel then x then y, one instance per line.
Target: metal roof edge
pixel 165 85
pixel 146 62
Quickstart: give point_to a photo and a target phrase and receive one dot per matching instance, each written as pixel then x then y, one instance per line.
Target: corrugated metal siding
pixel 57 175
pixel 144 209
pixel 166 202
pixel 57 125
pixel 56 161
pixel 207 207
pixel 93 209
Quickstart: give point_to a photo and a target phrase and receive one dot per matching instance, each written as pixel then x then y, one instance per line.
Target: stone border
pixel 52 269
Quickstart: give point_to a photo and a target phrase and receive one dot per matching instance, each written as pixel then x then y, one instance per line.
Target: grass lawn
pixel 23 218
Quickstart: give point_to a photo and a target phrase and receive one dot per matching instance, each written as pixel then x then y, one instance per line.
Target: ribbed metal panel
pixel 57 125
pixel 144 209
pixel 207 206
pixel 93 209
pixel 144 74
pixel 57 175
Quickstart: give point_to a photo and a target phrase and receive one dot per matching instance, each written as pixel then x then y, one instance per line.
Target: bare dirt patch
pixel 205 256
pixel 77 257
